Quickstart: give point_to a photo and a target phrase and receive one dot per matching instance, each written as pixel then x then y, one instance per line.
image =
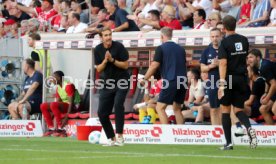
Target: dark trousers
pixel 109 98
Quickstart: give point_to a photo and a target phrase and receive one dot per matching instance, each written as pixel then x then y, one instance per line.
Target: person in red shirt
pixel 44 14
pixel 167 19
pixel 245 12
pixel 67 101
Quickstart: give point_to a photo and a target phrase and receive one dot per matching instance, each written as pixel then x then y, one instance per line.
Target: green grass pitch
pixel 70 151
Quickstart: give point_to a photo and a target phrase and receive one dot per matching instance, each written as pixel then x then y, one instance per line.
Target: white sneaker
pixel 119 141
pixel 110 143
pixel 239 132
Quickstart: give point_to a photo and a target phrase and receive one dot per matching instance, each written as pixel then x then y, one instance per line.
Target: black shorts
pixel 35 106
pixel 213 98
pixel 173 93
pixel 236 93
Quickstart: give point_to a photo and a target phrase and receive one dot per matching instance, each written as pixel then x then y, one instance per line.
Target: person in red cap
pixel 10 28
pixel 44 14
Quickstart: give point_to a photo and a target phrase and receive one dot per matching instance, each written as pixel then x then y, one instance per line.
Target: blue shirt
pixel 261 7
pixel 37 77
pixel 172 59
pixel 268 70
pixel 120 17
pixel 206 58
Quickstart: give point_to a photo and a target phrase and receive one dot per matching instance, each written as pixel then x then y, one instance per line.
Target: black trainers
pixel 226 147
pixel 252 138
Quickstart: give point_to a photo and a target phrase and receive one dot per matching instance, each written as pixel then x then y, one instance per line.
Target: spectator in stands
pixel 31 96
pixel 260 14
pixel 245 12
pixel 44 13
pixel 222 6
pixel 122 23
pixel 111 59
pixel 212 20
pixel 122 5
pixel 235 9
pixel 9 28
pixel 64 9
pixel 222 29
pixel 268 71
pixel 67 101
pixel 209 63
pixel 24 27
pixel 206 5
pixel 196 96
pixel 33 25
pixel 96 6
pixel 150 5
pixel 75 25
pixel 80 7
pixel 18 15
pixel 272 16
pixel 170 59
pixel 64 25
pixel 199 19
pixel 185 15
pixel 253 104
pixel 102 17
pixel 232 65
pixel 38 55
pixel 167 20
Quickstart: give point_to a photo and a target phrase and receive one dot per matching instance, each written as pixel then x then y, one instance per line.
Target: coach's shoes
pixel 227 147
pixel 109 143
pixel 252 138
pixel 239 132
pixel 119 141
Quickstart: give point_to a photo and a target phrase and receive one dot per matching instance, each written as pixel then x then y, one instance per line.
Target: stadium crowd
pixel 25 17
pixel 73 16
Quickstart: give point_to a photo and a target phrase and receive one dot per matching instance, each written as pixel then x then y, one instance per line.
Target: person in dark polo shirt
pixel 267 70
pixel 209 63
pixel 111 60
pixel 170 58
pixel 233 81
pixel 119 16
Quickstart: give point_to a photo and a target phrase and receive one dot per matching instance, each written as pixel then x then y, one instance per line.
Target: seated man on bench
pixel 67 101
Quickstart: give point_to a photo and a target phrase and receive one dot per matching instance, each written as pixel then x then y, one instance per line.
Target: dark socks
pixel 243 119
pixel 226 124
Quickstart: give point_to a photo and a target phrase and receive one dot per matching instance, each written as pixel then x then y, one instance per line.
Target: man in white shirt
pixel 75 25
pixel 199 4
pixel 151 5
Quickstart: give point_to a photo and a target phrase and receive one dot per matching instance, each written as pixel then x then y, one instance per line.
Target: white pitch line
pixel 137 154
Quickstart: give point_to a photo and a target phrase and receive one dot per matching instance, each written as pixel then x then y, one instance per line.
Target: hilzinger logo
pixel 217 132
pixel 30 126
pixel 155 132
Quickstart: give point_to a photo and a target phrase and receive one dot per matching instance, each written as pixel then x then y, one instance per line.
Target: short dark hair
pixel 35 36
pixel 215 29
pixel 30 63
pixel 256 52
pixel 76 15
pixel 196 72
pixel 59 73
pixel 229 23
pixel 201 13
pixel 155 13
